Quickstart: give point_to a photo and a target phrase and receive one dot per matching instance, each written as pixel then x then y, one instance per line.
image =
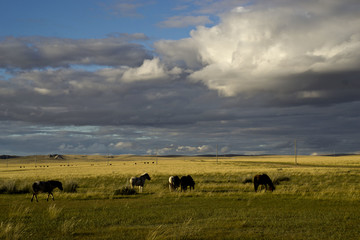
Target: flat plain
pixel 317 198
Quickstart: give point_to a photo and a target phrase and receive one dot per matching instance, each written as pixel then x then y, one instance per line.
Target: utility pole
pixel 156 156
pixel 217 158
pixel 295 152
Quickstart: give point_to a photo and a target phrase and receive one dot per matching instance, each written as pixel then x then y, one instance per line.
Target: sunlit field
pixel 317 198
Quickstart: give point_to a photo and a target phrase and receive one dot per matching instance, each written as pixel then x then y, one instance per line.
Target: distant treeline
pixel 7 156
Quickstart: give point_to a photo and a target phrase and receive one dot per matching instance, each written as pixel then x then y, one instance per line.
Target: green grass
pixel 189 216
pixel 320 201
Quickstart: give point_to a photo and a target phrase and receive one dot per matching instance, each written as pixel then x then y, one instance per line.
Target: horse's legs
pixel 256 185
pixel 34 194
pixel 52 195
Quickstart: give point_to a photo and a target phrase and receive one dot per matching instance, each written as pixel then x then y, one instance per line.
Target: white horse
pixel 139 181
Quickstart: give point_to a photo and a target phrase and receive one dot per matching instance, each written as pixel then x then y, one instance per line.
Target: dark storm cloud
pixel 42 52
pixel 102 98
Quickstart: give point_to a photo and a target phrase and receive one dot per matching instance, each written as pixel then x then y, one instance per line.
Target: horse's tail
pixel 132 182
pixel 256 182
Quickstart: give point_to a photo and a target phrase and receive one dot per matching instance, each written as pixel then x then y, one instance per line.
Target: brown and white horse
pixel 174 183
pixel 139 181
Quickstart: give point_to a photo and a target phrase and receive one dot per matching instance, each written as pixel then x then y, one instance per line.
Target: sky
pixel 183 77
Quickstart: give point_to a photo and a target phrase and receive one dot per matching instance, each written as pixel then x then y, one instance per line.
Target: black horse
pixel 263 180
pixel 45 187
pixel 186 181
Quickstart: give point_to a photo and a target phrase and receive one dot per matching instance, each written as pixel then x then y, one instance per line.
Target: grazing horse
pixel 139 181
pixel 45 187
pixel 186 181
pixel 263 180
pixel 174 183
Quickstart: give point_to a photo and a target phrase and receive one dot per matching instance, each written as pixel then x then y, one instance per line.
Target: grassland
pixel 318 199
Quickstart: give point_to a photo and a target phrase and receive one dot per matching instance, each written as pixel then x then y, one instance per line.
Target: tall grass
pixel 13 226
pixel 11 230
pixel 53 211
pixel 14 187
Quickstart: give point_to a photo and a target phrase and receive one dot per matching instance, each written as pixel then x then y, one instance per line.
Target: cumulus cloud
pixel 183 53
pixel 149 70
pixel 273 48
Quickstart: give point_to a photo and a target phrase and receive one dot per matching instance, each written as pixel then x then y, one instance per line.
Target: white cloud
pixel 149 70
pixel 205 149
pixel 185 149
pixel 122 145
pixel 42 91
pixel 173 149
pixel 239 9
pixel 262 47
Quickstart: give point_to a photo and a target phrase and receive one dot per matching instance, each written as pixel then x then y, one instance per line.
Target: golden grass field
pixel 319 200
pixel 95 165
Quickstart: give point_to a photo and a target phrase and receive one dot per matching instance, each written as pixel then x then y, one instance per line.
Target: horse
pixel 45 187
pixel 186 181
pixel 263 180
pixel 174 183
pixel 139 181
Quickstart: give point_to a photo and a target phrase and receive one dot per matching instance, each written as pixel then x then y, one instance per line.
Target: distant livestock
pixel 139 181
pixel 187 181
pixel 263 180
pixel 45 187
pixel 174 183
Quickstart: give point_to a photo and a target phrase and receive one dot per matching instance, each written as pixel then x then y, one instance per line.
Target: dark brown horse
pixel 45 187
pixel 187 181
pixel 263 180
